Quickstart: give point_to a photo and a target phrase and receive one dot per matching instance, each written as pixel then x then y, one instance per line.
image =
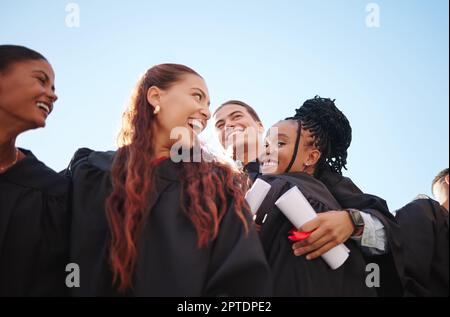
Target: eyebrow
pixel 203 94
pixel 219 122
pixel 280 137
pixel 283 135
pixel 45 75
pixel 230 115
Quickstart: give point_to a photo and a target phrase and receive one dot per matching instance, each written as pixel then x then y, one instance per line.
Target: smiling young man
pixel 240 131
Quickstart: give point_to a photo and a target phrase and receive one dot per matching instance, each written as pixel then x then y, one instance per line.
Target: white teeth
pixel 196 124
pixel 234 131
pixel 237 130
pixel 270 164
pixel 43 106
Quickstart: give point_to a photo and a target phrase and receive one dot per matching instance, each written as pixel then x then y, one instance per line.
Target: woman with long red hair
pixel 145 224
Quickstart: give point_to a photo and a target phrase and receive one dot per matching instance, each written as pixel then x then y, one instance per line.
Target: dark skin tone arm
pixel 329 229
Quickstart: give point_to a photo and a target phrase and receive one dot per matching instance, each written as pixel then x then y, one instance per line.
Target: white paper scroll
pixel 255 196
pixel 297 209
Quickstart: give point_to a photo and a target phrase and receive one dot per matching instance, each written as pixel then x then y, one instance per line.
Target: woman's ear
pixel 260 127
pixel 313 157
pixel 446 179
pixel 154 96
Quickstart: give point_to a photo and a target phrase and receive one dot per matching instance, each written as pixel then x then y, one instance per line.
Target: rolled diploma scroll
pixel 255 196
pixel 297 209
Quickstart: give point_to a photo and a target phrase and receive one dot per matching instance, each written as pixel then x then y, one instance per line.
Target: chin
pixel 37 124
pixel 239 148
pixel 235 143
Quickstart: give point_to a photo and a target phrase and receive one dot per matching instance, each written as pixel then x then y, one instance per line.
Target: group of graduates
pixel 140 221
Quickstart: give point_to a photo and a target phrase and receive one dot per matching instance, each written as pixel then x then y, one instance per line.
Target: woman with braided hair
pixel 379 233
pixel 298 153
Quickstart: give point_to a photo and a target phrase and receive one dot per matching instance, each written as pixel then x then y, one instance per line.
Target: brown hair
pixel 249 109
pixel 439 177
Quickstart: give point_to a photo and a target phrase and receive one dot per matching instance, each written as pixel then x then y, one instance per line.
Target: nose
pixel 206 113
pixel 52 95
pixel 229 124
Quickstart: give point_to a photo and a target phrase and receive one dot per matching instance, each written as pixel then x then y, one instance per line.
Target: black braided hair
pixel 331 131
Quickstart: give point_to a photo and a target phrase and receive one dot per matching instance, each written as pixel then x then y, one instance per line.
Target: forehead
pixel 227 110
pixel 32 65
pixel 193 81
pixel 288 127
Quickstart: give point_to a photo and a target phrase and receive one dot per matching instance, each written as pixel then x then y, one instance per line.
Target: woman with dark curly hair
pixel 146 223
pixel 299 150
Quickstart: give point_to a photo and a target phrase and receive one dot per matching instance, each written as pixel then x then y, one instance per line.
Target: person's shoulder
pixel 304 181
pixel 422 207
pixel 330 177
pixel 433 205
pixel 33 173
pixel 85 158
pixel 312 188
pixel 285 177
pixel 224 170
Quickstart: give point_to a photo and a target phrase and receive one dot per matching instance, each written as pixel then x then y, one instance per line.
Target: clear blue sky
pixel 391 82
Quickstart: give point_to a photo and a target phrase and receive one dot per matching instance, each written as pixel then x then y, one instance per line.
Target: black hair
pixel 331 131
pixel 10 54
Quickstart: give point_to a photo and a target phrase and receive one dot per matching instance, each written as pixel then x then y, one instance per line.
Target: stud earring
pixel 157 109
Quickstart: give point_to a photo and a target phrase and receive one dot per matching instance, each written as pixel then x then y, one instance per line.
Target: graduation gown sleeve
pixel 424 228
pixel 89 240
pixel 350 196
pixel 238 266
pixel 169 262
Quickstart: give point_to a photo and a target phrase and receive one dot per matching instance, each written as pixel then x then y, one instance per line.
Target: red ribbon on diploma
pixel 295 235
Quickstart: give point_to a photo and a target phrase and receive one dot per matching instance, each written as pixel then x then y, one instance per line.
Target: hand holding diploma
pixel 298 210
pixel 330 229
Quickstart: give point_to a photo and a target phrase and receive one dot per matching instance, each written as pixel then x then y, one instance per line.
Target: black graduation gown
pixel 294 275
pixel 34 230
pixel 424 228
pixel 169 261
pixel 350 196
pixel 252 170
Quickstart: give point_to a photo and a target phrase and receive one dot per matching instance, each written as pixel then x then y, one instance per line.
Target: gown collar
pixel 32 173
